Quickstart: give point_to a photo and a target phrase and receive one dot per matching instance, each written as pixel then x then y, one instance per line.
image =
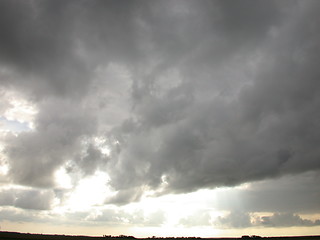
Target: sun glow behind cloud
pixel 89 192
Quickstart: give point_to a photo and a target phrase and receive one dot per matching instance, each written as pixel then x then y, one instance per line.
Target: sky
pixel 160 118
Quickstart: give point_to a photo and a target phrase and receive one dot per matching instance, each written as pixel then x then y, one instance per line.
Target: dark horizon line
pixel 8 235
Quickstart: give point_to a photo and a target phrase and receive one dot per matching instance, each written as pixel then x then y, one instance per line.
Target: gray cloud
pixel 220 93
pixel 27 199
pixel 297 193
pixel 245 220
pixel 235 220
pixel 13 215
pixel 38 45
pixel 34 156
pixel 125 196
pixel 92 160
pixel 251 118
pixel 286 220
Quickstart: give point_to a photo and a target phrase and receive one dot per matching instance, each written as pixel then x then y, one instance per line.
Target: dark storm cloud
pixel 243 113
pixel 55 45
pixel 38 45
pixel 222 92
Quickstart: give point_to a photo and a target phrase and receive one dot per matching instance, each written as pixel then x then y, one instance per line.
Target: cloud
pixel 36 45
pixel 200 218
pixel 297 193
pixel 156 218
pixel 92 160
pixel 27 199
pixel 35 156
pixel 125 196
pixel 286 220
pixel 186 95
pixel 15 215
pixel 250 118
pixel 234 220
pixel 245 220
pixel 120 216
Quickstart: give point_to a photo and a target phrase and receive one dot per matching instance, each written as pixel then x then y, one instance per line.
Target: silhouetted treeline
pixel 21 236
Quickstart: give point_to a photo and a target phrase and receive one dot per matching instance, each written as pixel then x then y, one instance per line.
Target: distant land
pixel 16 235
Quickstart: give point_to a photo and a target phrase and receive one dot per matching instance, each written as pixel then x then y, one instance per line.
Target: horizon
pixel 155 118
pixel 155 237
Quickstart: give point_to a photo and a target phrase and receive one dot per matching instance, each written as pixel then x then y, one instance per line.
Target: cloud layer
pixel 243 220
pixel 170 96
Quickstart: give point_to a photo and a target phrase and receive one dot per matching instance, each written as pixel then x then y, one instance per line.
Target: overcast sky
pixel 166 118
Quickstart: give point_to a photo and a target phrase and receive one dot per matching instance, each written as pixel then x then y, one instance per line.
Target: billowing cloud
pixel 34 156
pixel 250 118
pixel 166 97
